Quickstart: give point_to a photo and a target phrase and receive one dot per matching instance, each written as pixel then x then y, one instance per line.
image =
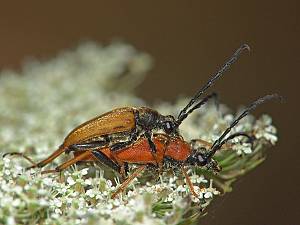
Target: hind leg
pixel 80 157
pixel 42 163
pixel 128 181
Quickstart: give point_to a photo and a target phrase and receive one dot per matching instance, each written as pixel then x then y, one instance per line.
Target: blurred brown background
pixel 189 40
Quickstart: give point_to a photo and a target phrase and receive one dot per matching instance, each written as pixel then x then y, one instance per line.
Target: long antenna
pixel 183 113
pixel 218 143
pixel 198 105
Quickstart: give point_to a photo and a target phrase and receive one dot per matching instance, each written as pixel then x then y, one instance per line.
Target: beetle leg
pixel 86 146
pixel 21 155
pixel 53 156
pixel 128 180
pixel 123 166
pixel 68 163
pixel 160 168
pixel 123 170
pixel 62 149
pixel 203 143
pixel 98 155
pixel 189 182
pixel 152 147
pixel 121 145
pixel 126 169
pixel 101 157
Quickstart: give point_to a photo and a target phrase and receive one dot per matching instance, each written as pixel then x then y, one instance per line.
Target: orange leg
pixel 53 156
pixel 70 162
pixel 44 162
pixel 128 180
pixel 21 155
pixel 122 170
pixel 189 182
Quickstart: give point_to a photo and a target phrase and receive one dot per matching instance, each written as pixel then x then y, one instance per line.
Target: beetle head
pixel 168 125
pixel 202 158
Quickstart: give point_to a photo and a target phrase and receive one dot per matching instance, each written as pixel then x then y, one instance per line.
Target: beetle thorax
pixel 178 150
pixel 147 118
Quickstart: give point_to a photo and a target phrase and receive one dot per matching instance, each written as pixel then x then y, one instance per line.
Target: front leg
pixel 132 139
pixel 152 147
pixel 151 144
pixel 121 145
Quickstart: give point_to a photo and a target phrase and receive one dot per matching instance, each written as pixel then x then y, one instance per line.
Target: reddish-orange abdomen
pixel 140 152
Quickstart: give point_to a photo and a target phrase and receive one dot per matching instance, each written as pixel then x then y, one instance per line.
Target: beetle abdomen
pixel 118 120
pixel 140 151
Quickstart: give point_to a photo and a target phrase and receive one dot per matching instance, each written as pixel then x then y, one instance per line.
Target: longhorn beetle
pixel 121 127
pixel 170 152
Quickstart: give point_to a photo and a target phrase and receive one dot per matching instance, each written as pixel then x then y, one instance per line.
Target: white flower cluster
pixel 40 106
pixel 46 101
pixel 76 199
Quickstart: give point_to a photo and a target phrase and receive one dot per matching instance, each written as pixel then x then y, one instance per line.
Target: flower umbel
pixel 40 106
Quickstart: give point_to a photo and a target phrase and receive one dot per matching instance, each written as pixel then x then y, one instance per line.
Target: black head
pixel 198 157
pixel 203 157
pixel 195 102
pixel 168 124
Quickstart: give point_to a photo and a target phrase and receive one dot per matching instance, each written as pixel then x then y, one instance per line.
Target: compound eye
pixel 201 159
pixel 168 127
